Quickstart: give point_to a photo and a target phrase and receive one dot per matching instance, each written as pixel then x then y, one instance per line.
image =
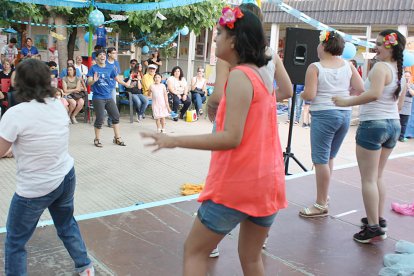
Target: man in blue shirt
pixel 102 79
pixel 29 51
pixel 64 71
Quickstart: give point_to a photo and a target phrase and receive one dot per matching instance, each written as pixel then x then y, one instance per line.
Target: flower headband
pixel 390 40
pixel 325 36
pixel 229 16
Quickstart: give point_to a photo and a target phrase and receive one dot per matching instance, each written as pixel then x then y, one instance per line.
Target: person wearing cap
pixel 100 77
pixel 9 52
pixel 148 79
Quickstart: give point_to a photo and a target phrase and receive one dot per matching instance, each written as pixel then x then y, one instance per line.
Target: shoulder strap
pixel 249 71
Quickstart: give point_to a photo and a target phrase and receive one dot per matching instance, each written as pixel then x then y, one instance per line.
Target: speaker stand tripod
pixel 288 154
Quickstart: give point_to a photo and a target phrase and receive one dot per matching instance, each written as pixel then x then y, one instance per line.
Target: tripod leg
pixel 299 163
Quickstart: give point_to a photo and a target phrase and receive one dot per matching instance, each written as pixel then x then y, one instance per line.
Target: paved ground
pixel 114 177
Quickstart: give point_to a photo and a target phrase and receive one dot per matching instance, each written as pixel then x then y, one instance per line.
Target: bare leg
pixel 162 123
pixel 385 153
pixel 158 123
pixel 72 105
pixel 198 246
pixel 368 163
pixel 116 131
pixel 79 106
pixel 97 133
pixel 251 239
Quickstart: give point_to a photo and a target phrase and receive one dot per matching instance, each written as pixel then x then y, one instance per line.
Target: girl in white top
pixel 199 90
pixel 332 76
pixel 45 175
pixel 379 128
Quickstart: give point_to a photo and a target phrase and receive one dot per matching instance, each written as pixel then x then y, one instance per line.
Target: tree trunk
pixel 62 45
pixel 71 42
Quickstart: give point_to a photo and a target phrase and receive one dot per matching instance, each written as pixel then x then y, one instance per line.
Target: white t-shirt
pixel 386 107
pixel 9 53
pixel 331 82
pixel 40 136
pixel 179 85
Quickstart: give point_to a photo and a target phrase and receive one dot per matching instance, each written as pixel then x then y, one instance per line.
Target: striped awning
pixel 355 12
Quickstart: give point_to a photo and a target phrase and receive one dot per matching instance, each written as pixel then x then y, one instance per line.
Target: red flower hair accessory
pixel 390 40
pixel 229 16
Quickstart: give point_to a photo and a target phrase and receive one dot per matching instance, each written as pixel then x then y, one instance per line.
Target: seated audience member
pixel 64 72
pixel 178 89
pixel 81 67
pixel 72 88
pixel 29 51
pixel 148 79
pixel 59 96
pixel 199 90
pixel 140 101
pixel 132 64
pixel 5 83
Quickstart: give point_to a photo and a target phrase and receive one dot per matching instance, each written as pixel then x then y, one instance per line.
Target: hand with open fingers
pixel 95 77
pixel 160 140
pixel 340 101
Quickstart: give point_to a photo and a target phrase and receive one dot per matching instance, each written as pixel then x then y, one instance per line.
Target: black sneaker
pixel 370 234
pixel 382 223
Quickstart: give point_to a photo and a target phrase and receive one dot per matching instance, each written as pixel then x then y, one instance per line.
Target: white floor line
pixel 346 213
pixel 187 198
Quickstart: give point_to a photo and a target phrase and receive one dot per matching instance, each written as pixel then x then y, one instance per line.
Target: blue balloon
pixel 184 31
pixel 96 18
pixel 349 51
pixel 145 49
pixel 86 37
pixel 408 59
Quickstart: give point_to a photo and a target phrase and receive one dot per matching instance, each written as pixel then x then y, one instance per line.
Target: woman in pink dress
pixel 160 107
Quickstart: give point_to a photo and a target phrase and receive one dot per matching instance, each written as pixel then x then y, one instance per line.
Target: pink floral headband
pixel 229 16
pixel 390 40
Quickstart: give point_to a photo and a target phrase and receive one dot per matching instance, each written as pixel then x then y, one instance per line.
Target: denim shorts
pixel 374 134
pixel 328 130
pixel 221 219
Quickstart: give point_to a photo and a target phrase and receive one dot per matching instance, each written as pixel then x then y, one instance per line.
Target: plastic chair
pixel 125 98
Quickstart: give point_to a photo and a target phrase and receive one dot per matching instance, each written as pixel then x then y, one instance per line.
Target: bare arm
pixel 311 83
pixel 239 95
pixel 119 79
pixel 402 96
pixel 284 90
pixel 222 73
pixel 171 87
pixel 167 104
pixel 4 146
pixel 70 91
pixel 193 83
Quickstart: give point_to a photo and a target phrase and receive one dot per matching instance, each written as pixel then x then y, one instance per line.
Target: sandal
pixel 322 211
pixel 97 143
pixel 119 142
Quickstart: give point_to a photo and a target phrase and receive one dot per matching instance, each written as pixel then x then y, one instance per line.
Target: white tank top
pixel 331 82
pixel 386 107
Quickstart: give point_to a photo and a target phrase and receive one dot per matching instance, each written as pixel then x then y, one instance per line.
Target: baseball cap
pixel 153 66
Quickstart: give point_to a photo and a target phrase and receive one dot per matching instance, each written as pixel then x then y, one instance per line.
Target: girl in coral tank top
pixel 245 182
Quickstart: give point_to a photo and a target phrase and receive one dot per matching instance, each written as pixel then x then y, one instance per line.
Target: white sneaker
pixel 215 253
pixel 88 272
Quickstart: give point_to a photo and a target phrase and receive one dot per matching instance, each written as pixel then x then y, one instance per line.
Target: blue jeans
pixel 328 130
pixel 24 214
pixel 298 107
pixel 375 134
pixel 198 101
pixel 140 103
pixel 221 219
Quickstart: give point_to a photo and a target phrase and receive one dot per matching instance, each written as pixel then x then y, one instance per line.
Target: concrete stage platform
pixel 148 239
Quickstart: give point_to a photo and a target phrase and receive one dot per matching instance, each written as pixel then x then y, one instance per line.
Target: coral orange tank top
pixel 250 178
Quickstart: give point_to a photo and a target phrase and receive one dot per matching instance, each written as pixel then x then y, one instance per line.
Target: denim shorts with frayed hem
pixel 328 130
pixel 375 134
pixel 221 219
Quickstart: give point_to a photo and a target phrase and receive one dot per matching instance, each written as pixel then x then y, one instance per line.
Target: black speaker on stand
pixel 300 52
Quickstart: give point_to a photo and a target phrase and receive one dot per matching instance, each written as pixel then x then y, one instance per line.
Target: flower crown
pixel 325 35
pixel 229 16
pixel 390 40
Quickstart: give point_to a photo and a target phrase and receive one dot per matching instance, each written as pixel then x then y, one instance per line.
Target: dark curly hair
pixel 250 40
pixel 335 44
pixel 397 55
pixel 32 81
pixel 181 72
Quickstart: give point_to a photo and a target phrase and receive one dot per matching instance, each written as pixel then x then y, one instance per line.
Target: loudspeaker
pixel 300 51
